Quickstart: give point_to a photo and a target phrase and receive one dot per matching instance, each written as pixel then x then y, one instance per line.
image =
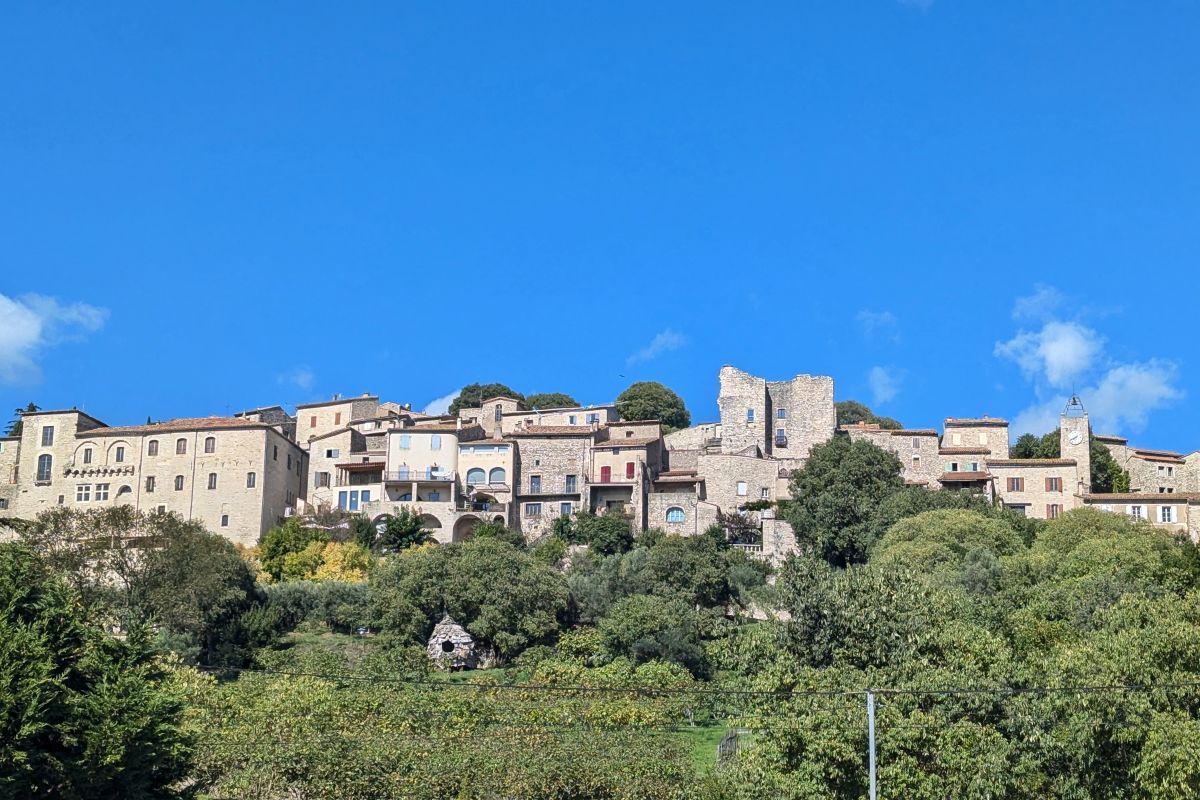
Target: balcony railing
pixel 409 475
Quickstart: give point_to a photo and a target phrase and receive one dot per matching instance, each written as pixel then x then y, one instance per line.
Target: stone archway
pixel 464 529
pixel 430 523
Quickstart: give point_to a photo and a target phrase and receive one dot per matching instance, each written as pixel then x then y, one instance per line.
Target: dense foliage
pixel 852 412
pixel 473 395
pixel 551 400
pixel 652 400
pixel 1106 476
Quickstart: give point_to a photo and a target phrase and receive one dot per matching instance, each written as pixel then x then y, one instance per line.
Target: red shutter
pixel 1049 484
pixel 606 474
pixel 628 469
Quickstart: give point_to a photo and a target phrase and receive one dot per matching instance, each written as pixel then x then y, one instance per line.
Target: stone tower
pixel 1075 441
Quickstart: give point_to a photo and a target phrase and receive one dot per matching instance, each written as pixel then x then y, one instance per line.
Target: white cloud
pixel 33 322
pixel 1065 356
pixel 1057 354
pixel 878 322
pixel 884 383
pixel 663 342
pixel 441 405
pixel 301 377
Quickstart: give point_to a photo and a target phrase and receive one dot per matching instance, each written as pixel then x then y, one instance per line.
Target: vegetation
pixel 1107 475
pixel 652 400
pixel 473 395
pixel 852 412
pixel 551 400
pixel 14 427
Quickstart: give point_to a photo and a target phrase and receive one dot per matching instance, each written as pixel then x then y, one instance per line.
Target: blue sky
pixel 953 208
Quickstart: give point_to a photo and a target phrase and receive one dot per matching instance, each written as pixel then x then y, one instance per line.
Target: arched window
pixel 497 475
pixel 406 497
pixel 180 447
pixel 475 476
pixel 45 464
pixel 152 448
pixel 210 444
pixel 674 514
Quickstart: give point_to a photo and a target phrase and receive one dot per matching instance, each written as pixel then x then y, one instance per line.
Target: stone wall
pixel 1034 498
pixel 552 458
pixel 722 474
pixel 984 432
pixel 917 450
pixel 802 409
pixel 744 419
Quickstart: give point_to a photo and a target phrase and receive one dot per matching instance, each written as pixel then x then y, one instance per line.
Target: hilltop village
pixel 503 462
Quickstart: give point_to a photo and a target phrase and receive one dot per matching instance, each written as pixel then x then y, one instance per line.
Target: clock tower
pixel 1075 441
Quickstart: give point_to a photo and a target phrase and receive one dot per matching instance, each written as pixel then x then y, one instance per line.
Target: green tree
pixel 852 412
pixel 652 400
pixel 1031 446
pixel 951 547
pixel 1106 476
pixel 86 715
pixel 498 530
pixel 551 400
pixel 14 427
pixel 473 395
pixel 286 540
pixel 402 530
pixel 604 533
pixel 652 628
pixel 835 496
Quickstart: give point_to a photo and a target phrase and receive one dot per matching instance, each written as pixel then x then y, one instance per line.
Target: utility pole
pixel 871 739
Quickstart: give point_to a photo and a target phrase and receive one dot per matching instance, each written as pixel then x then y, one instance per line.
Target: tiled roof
pixel 1031 462
pixel 338 402
pixel 961 477
pixel 963 451
pixel 678 478
pixel 1114 439
pixel 189 424
pixel 985 422
pixel 554 430
pixel 1143 497
pixel 1159 455
pixel 913 432
pixel 615 443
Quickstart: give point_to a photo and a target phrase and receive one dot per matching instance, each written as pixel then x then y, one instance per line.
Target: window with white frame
pixel 1166 514
pixel 87 455
pixel 45 464
pixel 101 491
pixel 333 452
pixel 252 479
pixel 1136 512
pixel 741 488
pixel 533 509
pixel 765 494
pixel 47 435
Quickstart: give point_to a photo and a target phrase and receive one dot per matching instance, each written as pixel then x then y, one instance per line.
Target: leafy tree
pixel 852 412
pixel 652 400
pixel 473 395
pixel 86 715
pixel 551 400
pixel 402 530
pixel 645 628
pixel 603 533
pixel 914 500
pixel 1107 475
pixel 502 595
pixel 950 547
pixel 285 540
pixel 835 496
pixel 14 427
pixel 498 530
pixel 1031 446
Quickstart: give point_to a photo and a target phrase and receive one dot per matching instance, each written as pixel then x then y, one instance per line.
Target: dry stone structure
pixel 451 648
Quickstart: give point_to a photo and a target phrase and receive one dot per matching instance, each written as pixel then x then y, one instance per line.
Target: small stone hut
pixel 452 648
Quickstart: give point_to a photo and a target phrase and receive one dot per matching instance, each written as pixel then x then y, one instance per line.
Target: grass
pixel 703 741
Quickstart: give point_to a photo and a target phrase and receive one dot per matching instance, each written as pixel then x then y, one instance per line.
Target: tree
pixel 605 534
pixel 14 427
pixel 498 530
pixel 551 400
pixel 852 412
pixel 473 395
pixel 86 715
pixel 285 540
pixel 1106 476
pixel 652 400
pixel 1031 446
pixel 950 547
pixel 645 627
pixel 835 495
pixel 402 530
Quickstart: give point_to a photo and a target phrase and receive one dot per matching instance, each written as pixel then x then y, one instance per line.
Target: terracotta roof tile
pixel 963 451
pixel 984 422
pixel 186 424
pixel 1144 497
pixel 554 430
pixel 614 443
pixel 1031 462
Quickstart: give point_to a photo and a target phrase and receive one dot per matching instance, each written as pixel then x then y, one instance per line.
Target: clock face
pixel 1076 437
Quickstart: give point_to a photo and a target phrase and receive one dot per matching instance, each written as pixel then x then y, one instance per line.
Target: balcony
pixel 419 476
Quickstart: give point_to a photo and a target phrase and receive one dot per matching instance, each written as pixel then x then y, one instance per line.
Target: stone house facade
pixel 317 419
pixel 1178 512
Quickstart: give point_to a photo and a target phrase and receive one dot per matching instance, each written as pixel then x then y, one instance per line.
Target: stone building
pixel 917 449
pixel 504 415
pixel 451 648
pixel 318 419
pixel 1152 471
pixel 553 476
pixel 1178 512
pixel 236 475
pixel 775 419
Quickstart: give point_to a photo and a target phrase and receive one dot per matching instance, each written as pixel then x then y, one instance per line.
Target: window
pixel 87 455
pixel 535 484
pixel 337 418
pixel 224 520
pixel 435 442
pixel 499 411
pixel 1016 484
pixel 475 476
pixel 952 466
pixel 533 509
pixel 765 494
pixel 564 509
pixel 675 514
pixel 210 444
pixel 152 448
pixel 45 464
pixel 212 480
pixel 1166 514
pixel 781 437
pixel 1135 512
pixel 741 488
pixel 120 454
pixel 592 419
pixel 274 452
pixel 1022 510
pixel 497 475
pixel 571 485
pixel 781 413
pixel 974 466
pixel 83 493
pixel 916 462
pixel 606 474
pixel 47 435
pixel 405 441
pixel 1053 510
pixel 1053 485
pixel 179 483
pixel 289 461
pixel 916 443
pixel 333 452
pixel 749 415
pixel 180 447
pixel 149 484
pixel 628 434
pixel 1170 471
pixel 312 421
pixel 630 468
pixel 3 502
pixel 252 479
pixel 353 500
pixel 101 491
pixel 435 497
pixel 616 451
pixel 571 419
